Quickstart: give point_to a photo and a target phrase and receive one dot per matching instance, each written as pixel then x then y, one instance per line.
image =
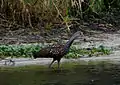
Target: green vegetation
pixel 89 52
pixel 27 50
pixel 18 50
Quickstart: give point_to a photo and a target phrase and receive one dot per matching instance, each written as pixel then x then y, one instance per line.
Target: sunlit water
pixel 100 74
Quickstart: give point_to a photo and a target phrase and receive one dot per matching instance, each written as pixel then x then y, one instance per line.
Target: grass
pixel 27 50
pixel 46 13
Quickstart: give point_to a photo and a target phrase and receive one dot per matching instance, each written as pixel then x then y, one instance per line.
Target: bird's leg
pixel 58 63
pixel 51 63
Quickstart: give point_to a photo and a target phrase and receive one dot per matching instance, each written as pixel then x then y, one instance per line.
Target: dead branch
pixel 68 27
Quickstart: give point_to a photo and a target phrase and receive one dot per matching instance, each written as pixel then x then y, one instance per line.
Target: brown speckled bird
pixel 56 51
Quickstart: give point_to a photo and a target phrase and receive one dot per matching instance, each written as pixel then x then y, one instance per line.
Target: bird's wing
pixel 57 50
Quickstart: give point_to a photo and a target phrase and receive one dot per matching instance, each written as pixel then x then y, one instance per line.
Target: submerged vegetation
pixel 27 50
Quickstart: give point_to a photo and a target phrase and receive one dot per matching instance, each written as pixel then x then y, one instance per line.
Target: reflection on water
pixel 79 75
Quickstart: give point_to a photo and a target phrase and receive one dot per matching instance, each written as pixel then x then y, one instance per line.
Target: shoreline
pixel 47 61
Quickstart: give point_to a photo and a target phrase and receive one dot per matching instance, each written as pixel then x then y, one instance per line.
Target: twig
pixel 35 3
pixel 61 16
pixel 29 18
pixel 2 4
pixel 2 15
pixel 80 8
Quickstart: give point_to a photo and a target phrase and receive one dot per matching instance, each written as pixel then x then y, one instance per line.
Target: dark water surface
pixel 100 74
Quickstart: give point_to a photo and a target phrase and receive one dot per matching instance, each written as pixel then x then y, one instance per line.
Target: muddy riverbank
pixel 109 40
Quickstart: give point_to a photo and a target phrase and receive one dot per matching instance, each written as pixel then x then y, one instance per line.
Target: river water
pixel 99 74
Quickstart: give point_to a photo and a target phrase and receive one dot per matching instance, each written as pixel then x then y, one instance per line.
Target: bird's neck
pixel 69 43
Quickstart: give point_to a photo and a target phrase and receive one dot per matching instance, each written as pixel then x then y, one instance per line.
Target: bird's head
pixel 35 55
pixel 77 34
